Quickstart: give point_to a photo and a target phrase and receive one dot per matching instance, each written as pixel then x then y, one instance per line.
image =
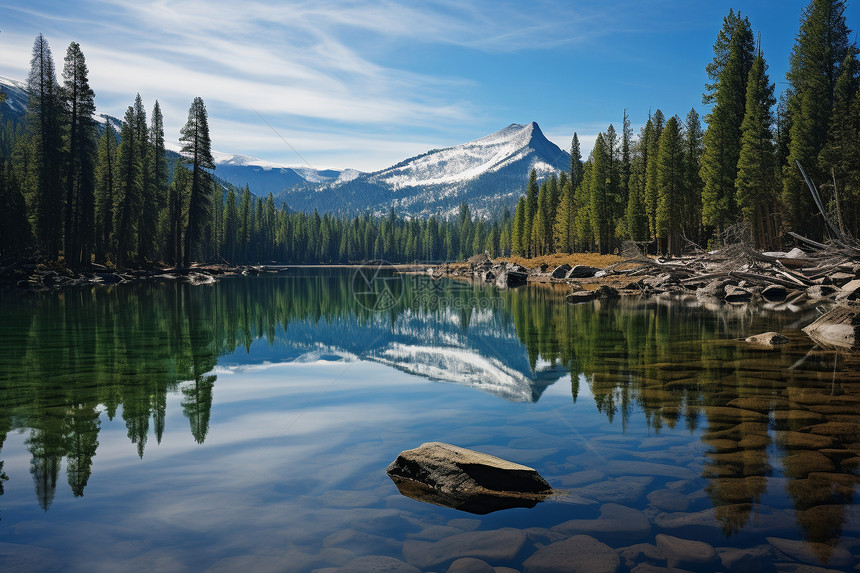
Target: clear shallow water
pixel 248 425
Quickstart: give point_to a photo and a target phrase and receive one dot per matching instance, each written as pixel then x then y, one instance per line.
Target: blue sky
pixel 366 84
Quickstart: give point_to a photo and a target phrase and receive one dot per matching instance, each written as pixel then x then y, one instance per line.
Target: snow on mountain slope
pixel 468 160
pixel 16 95
pixel 489 174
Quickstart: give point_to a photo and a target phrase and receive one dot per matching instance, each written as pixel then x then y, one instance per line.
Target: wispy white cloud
pixel 325 66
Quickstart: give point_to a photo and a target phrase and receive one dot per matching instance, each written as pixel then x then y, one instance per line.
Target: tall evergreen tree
pixel 105 190
pixel 670 183
pixel 575 162
pixel 156 166
pixel 532 192
pixel 518 240
pixel 176 198
pixel 821 46
pixel 626 158
pixel 637 216
pixel 43 149
pixel 563 226
pixel 757 172
pixel 692 209
pixel 599 193
pixel 128 193
pixel 652 193
pixel 729 71
pixel 197 151
pixel 147 213
pixel 81 149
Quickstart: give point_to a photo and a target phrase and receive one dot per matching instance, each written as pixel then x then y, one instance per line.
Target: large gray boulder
pixel 560 271
pixel 451 476
pixel 511 279
pixel 582 272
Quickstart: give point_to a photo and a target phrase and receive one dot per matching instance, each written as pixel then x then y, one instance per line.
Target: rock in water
pixel 839 327
pixel 769 339
pixel 464 479
pixel 511 279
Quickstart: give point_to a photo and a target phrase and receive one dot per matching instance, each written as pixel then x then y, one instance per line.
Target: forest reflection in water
pixel 788 416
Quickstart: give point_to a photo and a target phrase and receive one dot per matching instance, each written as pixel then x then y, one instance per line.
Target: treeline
pixel 69 192
pixel 677 182
pixel 254 230
pixel 71 195
pixel 73 191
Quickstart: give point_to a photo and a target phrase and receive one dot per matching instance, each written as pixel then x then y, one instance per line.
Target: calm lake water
pixel 247 426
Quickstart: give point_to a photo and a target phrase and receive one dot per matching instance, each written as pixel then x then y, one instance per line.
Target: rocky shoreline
pixel 788 281
pixel 36 276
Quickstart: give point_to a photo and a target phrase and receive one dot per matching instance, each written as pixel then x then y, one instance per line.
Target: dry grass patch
pixel 573 259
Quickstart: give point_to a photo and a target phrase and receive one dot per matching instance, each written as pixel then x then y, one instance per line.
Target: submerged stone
pixel 616 523
pixel 687 553
pixel 579 554
pixel 447 475
pixel 470 565
pixel 498 545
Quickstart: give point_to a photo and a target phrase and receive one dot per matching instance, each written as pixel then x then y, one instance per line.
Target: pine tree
pixel 81 149
pixel 196 149
pixel 518 239
pixel 231 225
pixel 821 46
pixel 543 230
pixel 127 199
pixel 729 71
pixel 176 198
pixel 670 182
pixel 692 209
pixel 582 210
pixel 599 190
pixel 756 183
pixel 575 162
pixel 105 190
pixel 156 162
pixel 245 226
pixel 839 158
pixel 147 213
pixel 652 193
pixel 532 192
pixel 43 149
pixel 626 157
pixel 563 227
pixel 637 216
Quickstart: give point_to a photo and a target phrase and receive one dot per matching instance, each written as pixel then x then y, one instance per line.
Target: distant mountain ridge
pixel 489 173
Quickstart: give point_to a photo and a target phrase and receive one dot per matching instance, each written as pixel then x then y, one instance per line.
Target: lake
pixel 247 425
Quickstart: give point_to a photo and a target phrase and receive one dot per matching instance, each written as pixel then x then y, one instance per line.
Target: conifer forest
pixel 80 191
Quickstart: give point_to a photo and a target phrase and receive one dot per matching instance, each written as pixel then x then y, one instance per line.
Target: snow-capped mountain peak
pixel 470 160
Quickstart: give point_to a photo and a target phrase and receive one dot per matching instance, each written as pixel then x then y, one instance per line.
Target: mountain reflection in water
pixel 786 418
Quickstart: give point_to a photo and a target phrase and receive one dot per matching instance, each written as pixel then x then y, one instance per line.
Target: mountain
pixel 16 98
pixel 488 174
pixel 264 177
